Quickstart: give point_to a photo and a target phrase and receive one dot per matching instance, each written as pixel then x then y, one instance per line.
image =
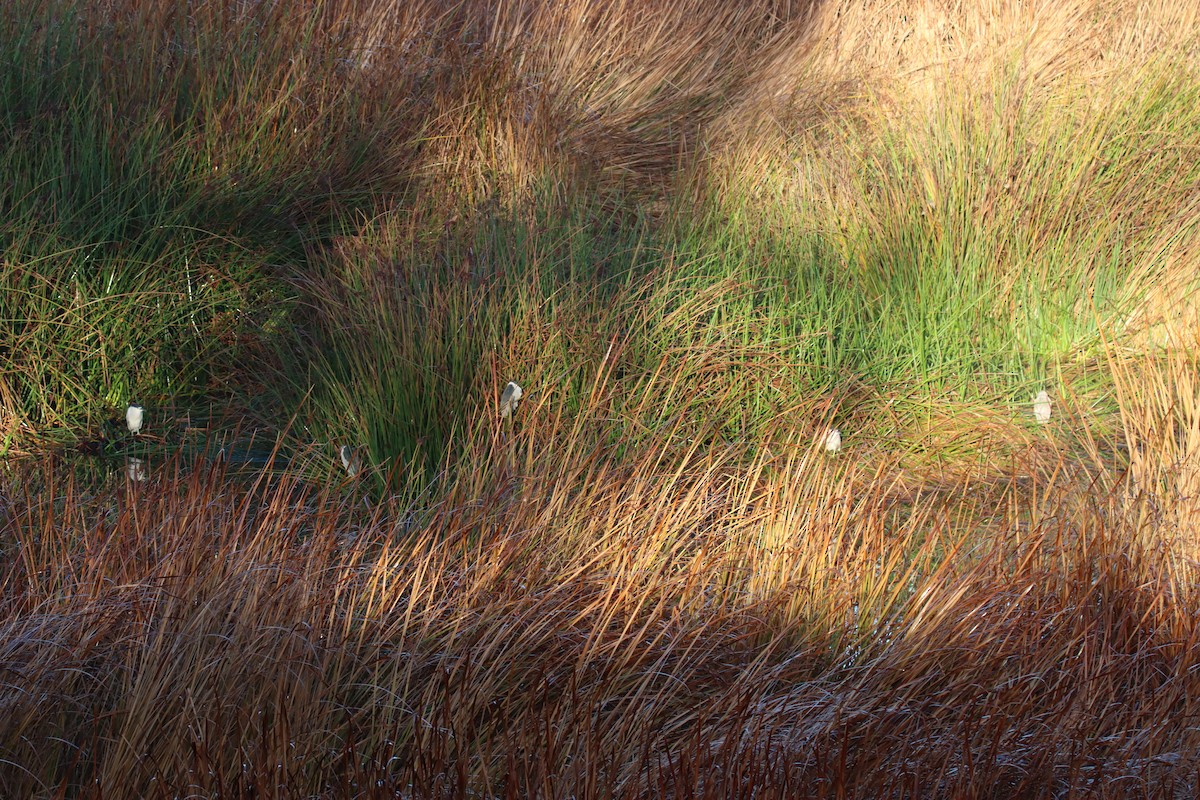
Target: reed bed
pixel 677 622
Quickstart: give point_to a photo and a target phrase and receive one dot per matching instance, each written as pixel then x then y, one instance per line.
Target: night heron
pixel 1041 407
pixel 508 401
pixel 351 460
pixel 135 469
pixel 133 417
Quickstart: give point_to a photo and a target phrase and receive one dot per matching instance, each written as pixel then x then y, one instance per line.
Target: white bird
pixel 1041 407
pixel 135 469
pixel 833 441
pixel 508 401
pixel 351 461
pixel 133 417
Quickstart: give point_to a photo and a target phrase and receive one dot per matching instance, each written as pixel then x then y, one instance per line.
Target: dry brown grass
pixel 686 621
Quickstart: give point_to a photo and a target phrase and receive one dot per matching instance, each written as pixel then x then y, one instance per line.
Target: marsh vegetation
pixel 318 244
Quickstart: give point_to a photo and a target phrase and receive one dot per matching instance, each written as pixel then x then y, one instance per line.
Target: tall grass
pixel 685 621
pixel 698 235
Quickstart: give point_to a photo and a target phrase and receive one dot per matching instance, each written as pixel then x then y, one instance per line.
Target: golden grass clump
pixel 684 620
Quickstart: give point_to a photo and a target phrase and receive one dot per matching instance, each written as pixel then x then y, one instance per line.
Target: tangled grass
pixel 699 236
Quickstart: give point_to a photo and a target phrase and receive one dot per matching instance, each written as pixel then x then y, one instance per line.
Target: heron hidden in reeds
pixel 1041 407
pixel 134 415
pixel 509 399
pixel 351 461
pixel 135 469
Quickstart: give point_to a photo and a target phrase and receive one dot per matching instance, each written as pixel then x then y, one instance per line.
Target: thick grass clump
pixel 684 621
pixel 151 197
pixel 317 242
